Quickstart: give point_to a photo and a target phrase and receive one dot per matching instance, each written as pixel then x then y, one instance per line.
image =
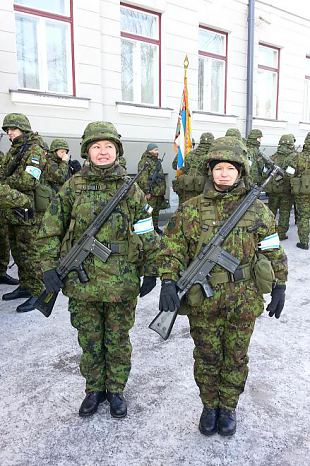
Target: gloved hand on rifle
pixel 277 301
pixel 169 299
pixel 52 282
pixel 147 285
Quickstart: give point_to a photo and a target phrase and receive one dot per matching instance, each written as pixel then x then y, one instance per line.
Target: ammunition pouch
pixel 42 197
pixel 263 274
pixel 195 296
pixel 301 185
pixel 189 183
pixel 278 187
pixel 135 249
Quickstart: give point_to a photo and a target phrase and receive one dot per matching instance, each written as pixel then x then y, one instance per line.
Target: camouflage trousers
pixel 103 335
pixel 4 248
pixel 156 203
pixel 303 217
pixel 221 329
pixel 282 203
pixel 23 247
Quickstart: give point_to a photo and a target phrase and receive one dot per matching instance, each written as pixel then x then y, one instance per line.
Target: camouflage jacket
pixel 11 198
pixel 302 163
pixel 27 175
pixel 198 219
pixel 157 186
pixel 256 163
pixel 285 158
pixel 134 248
pixel 56 171
pixel 195 161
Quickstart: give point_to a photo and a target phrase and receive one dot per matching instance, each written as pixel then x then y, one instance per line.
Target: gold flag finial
pixel 186 62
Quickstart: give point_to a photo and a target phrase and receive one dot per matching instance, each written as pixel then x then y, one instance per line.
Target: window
pixel 267 89
pixel 212 70
pixel 140 55
pixel 44 45
pixel 306 115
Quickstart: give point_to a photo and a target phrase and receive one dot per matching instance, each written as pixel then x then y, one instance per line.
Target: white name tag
pixel 143 226
pixel 290 170
pixel 34 171
pixel 270 242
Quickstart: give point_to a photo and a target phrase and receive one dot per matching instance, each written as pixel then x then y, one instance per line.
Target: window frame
pixel 224 58
pixel 57 17
pixel 307 104
pixel 273 70
pixel 147 40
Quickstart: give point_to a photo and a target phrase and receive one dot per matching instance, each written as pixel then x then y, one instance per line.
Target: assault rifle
pixel 155 177
pixel 73 260
pixel 14 163
pixel 211 254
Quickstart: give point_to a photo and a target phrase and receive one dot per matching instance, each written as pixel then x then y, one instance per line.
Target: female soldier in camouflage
pixel 103 309
pixel 221 326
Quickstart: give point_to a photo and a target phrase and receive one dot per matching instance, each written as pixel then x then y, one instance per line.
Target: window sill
pixel 304 125
pixel 214 117
pixel 271 123
pixel 143 110
pixel 21 96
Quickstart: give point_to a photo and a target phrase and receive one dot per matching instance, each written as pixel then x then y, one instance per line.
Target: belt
pixel 241 274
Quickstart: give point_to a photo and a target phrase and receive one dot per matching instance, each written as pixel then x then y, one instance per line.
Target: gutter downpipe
pixel 250 67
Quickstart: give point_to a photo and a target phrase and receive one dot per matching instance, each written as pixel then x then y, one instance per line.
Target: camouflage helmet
pixel 99 131
pixel 59 144
pixel 307 141
pixel 229 149
pixel 206 138
pixel 287 140
pixel 255 133
pixel 16 120
pixel 233 132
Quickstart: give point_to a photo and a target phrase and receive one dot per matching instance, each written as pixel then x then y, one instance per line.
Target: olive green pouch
pixel 263 273
pixel 295 185
pixel 42 197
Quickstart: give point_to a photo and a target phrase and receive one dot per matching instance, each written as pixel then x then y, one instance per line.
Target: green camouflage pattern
pixel 302 167
pixel 11 198
pixel 4 248
pixel 254 134
pixel 70 213
pixel 103 335
pixel 59 143
pixel 156 192
pixel 280 197
pixel 229 149
pixel 56 171
pixel 100 131
pixel 16 120
pixel 255 159
pixel 222 325
pixel 234 132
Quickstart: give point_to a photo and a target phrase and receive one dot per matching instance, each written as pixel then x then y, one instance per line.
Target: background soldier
pixel 221 326
pixel 300 184
pixel 103 308
pixel 21 170
pixel 255 159
pixel 280 197
pixel 234 132
pixel 152 181
pixel 57 164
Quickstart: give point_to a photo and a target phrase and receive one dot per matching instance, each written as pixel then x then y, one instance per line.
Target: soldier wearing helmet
pixel 21 169
pixel 102 309
pixel 280 196
pixel 234 132
pixel 256 161
pixel 221 325
pixel 191 182
pixel 300 185
pixel 57 169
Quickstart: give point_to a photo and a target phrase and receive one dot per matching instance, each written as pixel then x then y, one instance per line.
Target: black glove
pixel 169 299
pixel 52 282
pixel 147 285
pixel 277 301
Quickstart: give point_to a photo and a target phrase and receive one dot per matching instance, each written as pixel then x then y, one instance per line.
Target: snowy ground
pixel 41 391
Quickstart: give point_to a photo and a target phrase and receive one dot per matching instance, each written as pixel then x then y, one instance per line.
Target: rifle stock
pixel 45 302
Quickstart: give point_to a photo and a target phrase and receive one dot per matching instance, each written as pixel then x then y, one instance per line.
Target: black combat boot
pixel 208 421
pixel 5 279
pixel 28 305
pixel 91 402
pixel 226 423
pixel 118 405
pixel 302 245
pixel 16 294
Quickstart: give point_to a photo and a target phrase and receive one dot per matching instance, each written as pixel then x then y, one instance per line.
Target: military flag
pixel 183 134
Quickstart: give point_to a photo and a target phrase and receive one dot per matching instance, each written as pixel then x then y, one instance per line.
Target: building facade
pixel 68 62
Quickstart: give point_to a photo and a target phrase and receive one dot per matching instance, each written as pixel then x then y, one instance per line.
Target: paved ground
pixel 41 391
